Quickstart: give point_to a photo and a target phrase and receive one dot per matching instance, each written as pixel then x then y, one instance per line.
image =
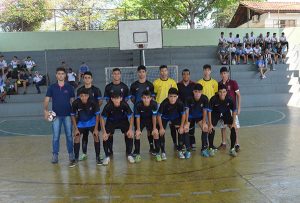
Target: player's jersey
pixel 219 107
pixel 86 113
pixel 94 92
pixel 171 112
pixel 161 88
pixel 137 88
pixel 14 64
pixel 3 64
pixel 210 87
pixel 121 89
pixel 185 91
pixel 232 87
pixel 196 107
pixel 145 112
pixel 116 114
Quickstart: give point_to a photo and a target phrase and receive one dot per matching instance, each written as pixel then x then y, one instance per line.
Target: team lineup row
pixel 182 105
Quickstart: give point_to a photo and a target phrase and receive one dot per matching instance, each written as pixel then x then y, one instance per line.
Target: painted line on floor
pixel 52 197
pixel 230 190
pixel 170 195
pixel 201 193
pixel 80 197
pixel 107 197
pixel 140 196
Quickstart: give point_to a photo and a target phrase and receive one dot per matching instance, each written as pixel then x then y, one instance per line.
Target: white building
pixel 266 15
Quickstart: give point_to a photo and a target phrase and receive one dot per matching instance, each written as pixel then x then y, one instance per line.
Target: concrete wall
pixel 40 41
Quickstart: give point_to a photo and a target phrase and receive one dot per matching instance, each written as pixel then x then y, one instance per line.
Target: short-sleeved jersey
pixel 185 91
pixel 29 64
pixel 210 87
pixel 94 92
pixel 219 107
pixel 171 112
pixel 196 107
pixel 3 64
pixel 61 96
pixel 232 87
pixel 161 88
pixel 116 114
pixel 86 113
pixel 120 88
pixel 137 88
pixel 145 112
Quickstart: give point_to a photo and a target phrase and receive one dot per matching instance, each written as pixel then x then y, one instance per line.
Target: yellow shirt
pixel 161 88
pixel 210 87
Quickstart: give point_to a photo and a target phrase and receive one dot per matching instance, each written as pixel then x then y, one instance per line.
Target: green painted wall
pixel 37 41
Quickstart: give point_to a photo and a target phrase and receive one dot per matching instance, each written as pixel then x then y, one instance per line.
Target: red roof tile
pixel 272 6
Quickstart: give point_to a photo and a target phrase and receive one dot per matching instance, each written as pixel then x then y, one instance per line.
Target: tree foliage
pixel 23 15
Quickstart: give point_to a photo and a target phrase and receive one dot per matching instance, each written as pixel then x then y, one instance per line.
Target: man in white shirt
pixel 274 39
pixel 30 64
pixel 256 52
pixel 237 39
pixel 221 39
pixel 248 53
pixel 267 39
pixel 3 64
pixel 38 81
pixel 283 40
pixel 15 63
pixel 230 39
pixel 72 77
pixel 252 39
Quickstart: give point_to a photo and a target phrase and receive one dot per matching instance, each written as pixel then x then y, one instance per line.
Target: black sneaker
pixel 152 151
pixel 237 148
pixel 99 161
pixel 72 163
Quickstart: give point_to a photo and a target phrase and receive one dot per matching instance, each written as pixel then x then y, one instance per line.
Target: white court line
pixel 230 190
pixel 170 195
pixel 201 193
pixel 140 196
pixel 283 116
pixel 8 132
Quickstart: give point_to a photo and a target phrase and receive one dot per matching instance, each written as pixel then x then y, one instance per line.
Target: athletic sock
pixel 97 148
pixel 211 137
pixel 129 146
pixel 105 147
pixel 180 142
pixel 192 139
pixel 186 141
pixel 232 137
pixel 162 143
pixel 76 150
pixel 110 143
pixel 157 145
pixel 204 137
pixel 84 143
pixel 173 134
pixel 150 140
pixel 137 144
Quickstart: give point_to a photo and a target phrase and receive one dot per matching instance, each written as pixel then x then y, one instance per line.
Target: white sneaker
pixel 264 77
pixel 106 161
pixel 163 156
pixel 181 155
pixel 131 159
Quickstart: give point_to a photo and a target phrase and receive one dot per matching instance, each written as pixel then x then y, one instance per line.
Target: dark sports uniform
pixel 137 88
pixel 145 114
pixel 86 121
pixel 116 118
pixel 196 114
pixel 94 92
pixel 171 113
pixel 121 89
pixel 221 110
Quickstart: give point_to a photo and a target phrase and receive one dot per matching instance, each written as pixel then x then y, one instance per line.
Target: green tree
pixel 23 15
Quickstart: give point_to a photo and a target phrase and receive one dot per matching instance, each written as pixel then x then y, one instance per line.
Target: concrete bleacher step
pixel 21 109
pixel 264 89
pixel 20 98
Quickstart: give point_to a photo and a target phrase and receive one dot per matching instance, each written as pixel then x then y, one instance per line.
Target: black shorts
pixel 175 122
pixel 195 120
pixel 85 131
pixel 110 126
pixel 226 117
pixel 145 123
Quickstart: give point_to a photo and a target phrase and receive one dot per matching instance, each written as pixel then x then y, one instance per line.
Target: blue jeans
pixel 56 127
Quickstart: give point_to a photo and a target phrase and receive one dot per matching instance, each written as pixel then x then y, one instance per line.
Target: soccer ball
pixel 51 116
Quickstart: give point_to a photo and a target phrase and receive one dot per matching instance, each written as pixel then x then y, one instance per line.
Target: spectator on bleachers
pixel 230 39
pixel 38 80
pixel 246 40
pixel 267 40
pixel 276 49
pixel 82 69
pixel 237 39
pixel 268 55
pixel 221 39
pixel 29 64
pixel 260 40
pixel 223 54
pixel 72 78
pixel 284 51
pixel 232 54
pixel 252 39
pixel 274 39
pixel 262 67
pixel 22 81
pixel 2 89
pixel 3 64
pixel 283 41
pixel 248 53
pixel 239 53
pixel 257 52
pixel 15 63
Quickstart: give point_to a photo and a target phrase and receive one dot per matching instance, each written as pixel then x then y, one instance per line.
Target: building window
pixel 284 23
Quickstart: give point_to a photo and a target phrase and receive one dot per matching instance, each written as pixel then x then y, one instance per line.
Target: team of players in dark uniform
pixel 182 109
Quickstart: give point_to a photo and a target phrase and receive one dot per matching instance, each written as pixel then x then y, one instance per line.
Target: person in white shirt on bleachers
pixel 256 52
pixel 274 39
pixel 221 39
pixel 237 39
pixel 252 39
pixel 267 40
pixel 15 63
pixel 3 64
pixel 72 77
pixel 30 64
pixel 248 53
pixel 230 39
pixel 283 40
pixel 38 80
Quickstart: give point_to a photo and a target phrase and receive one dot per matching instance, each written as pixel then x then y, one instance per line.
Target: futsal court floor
pixel 267 169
